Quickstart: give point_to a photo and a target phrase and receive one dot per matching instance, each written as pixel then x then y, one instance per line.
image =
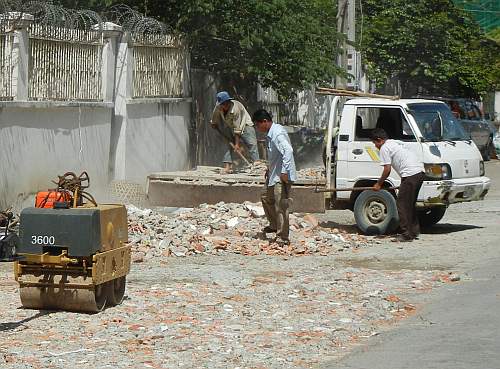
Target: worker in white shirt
pixel 393 154
pixel 280 175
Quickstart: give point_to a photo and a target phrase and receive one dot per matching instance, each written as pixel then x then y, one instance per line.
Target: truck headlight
pixel 481 168
pixel 436 172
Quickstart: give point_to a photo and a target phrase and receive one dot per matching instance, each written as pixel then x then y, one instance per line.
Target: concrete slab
pixel 207 185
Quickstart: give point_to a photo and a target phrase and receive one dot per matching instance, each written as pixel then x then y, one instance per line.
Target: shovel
pixel 230 142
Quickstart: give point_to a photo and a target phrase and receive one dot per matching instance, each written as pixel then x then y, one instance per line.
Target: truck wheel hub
pixel 376 211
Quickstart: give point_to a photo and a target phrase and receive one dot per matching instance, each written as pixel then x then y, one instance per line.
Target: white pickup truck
pixel 453 164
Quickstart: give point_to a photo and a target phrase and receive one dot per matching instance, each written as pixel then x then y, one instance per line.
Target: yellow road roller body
pixel 74 259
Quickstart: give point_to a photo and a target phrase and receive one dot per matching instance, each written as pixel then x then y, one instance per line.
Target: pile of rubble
pixel 258 168
pixel 228 227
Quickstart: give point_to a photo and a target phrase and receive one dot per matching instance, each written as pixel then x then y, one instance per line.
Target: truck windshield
pixel 436 122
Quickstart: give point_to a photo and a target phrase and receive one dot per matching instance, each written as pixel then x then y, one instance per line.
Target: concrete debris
pixel 258 168
pixel 232 222
pixel 234 228
pixel 256 211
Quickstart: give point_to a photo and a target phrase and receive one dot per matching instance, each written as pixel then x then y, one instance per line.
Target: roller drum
pixel 71 294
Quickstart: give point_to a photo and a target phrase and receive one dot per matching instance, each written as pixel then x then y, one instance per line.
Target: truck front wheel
pixel 376 212
pixel 430 216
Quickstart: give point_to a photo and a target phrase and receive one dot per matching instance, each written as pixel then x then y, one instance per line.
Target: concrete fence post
pixel 123 93
pixel 111 34
pixel 18 24
pixel 130 63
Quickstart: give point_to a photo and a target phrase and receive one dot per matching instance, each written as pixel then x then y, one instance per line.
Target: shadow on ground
pixel 377 263
pixel 448 228
pixel 441 228
pixel 350 228
pixel 10 326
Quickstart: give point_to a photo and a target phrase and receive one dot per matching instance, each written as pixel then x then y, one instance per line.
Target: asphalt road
pixel 458 325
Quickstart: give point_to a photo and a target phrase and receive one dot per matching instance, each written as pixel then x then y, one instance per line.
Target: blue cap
pixel 222 97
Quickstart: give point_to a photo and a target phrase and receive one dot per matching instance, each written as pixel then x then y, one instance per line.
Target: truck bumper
pixel 453 191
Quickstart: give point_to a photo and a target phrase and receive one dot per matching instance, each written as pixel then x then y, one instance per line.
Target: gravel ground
pixel 249 303
pixel 267 307
pixel 217 312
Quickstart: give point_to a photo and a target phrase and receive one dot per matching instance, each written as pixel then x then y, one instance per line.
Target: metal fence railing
pixel 65 64
pixel 158 67
pixel 6 66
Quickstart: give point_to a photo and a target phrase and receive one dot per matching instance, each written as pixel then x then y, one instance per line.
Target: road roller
pixel 73 255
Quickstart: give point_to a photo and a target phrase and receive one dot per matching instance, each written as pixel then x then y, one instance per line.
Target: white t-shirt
pixel 404 161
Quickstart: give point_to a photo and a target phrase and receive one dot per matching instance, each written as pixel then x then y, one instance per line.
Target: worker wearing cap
pixel 280 175
pixel 233 115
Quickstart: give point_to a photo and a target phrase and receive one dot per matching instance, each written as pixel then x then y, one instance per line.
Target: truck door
pixel 363 160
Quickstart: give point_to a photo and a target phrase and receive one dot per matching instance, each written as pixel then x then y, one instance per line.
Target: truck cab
pixel 453 165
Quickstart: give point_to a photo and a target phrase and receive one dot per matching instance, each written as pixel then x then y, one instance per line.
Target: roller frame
pixel 78 291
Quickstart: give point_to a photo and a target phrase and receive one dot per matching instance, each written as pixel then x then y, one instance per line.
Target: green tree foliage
pixel 284 44
pixel 430 44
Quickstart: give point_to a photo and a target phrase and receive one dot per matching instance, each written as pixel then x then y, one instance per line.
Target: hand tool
pixel 230 142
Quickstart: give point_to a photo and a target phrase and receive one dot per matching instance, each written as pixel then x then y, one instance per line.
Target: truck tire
pixel 430 216
pixel 376 212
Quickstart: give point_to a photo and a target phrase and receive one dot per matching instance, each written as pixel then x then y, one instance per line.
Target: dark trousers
pixel 407 197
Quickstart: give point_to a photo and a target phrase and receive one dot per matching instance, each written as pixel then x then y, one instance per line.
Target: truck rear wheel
pixel 430 216
pixel 376 212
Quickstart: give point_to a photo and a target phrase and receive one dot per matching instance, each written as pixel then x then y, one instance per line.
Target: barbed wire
pixel 46 13
pixel 133 21
pixel 142 29
pixel 55 21
pixel 52 21
pixel 10 5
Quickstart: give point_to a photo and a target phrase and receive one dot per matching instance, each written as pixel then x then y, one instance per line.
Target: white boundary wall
pixel 150 134
pixel 40 141
pixel 120 138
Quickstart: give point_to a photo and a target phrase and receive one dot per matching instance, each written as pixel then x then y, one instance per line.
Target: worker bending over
pixel 230 115
pixel 411 170
pixel 280 175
